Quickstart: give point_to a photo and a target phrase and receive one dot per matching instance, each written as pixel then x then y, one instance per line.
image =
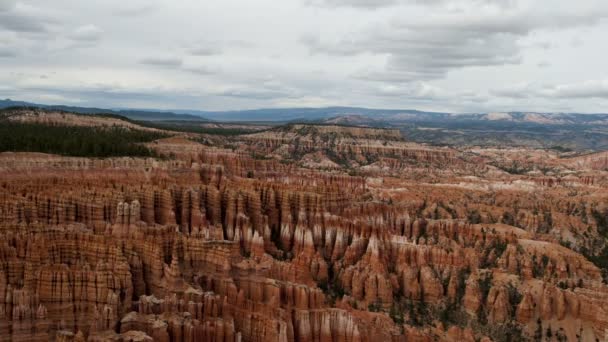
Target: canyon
pixel 302 232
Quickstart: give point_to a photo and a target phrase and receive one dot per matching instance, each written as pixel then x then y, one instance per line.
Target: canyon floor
pixel 295 233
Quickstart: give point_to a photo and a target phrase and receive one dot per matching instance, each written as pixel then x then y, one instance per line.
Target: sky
pixel 443 55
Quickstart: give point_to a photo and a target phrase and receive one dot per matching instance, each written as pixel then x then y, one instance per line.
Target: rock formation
pixel 221 244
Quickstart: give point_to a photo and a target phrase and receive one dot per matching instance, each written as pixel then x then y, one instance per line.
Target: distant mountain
pixel 269 114
pixel 538 118
pixel 338 115
pixel 352 120
pixel 307 114
pixel 375 117
pixel 133 114
pixel 488 118
pixel 559 131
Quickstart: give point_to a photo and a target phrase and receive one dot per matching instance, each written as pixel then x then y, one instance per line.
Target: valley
pixel 307 231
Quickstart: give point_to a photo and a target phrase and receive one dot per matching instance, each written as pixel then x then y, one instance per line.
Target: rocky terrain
pixel 579 132
pixel 558 131
pixel 304 233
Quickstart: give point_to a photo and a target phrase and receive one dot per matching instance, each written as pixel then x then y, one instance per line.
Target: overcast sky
pixel 448 55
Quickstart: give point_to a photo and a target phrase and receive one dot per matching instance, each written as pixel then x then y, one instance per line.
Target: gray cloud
pixel 7 52
pixel 264 89
pixel 206 48
pixel 256 94
pixel 162 61
pixel 99 94
pixel 178 64
pixel 135 10
pixel 352 3
pixel 519 91
pixel 24 19
pixel 200 70
pixel 419 91
pixel 86 33
pixel 6 5
pixel 543 64
pixel 425 53
pixel 419 54
pixel 430 47
pixel 21 23
pixel 582 90
pixel 424 93
pixel 371 4
pixel 579 90
pixel 204 51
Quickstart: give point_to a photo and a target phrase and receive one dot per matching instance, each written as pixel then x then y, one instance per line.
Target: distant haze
pixel 432 55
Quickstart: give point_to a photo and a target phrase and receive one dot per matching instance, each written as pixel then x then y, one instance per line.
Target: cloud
pixel 576 42
pixel 268 88
pixel 373 4
pixel 352 3
pixel 200 69
pixel 543 64
pixel 17 21
pixel 425 53
pixel 578 90
pixel 425 93
pixel 210 47
pixel 95 94
pixel 383 53
pixel 7 5
pixel 305 101
pixel 204 51
pixel 162 61
pixel 132 10
pixel 581 90
pixel 517 91
pixel 252 93
pixel 428 47
pixel 177 63
pixel 26 20
pixel 419 91
pixel 6 52
pixel 55 98
pixel 86 33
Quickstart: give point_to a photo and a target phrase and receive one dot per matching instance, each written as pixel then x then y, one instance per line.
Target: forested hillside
pixel 75 141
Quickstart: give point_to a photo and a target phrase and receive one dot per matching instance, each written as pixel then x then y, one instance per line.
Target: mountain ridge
pixel 345 114
pixel 134 114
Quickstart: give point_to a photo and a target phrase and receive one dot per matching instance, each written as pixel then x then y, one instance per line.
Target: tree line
pixel 75 140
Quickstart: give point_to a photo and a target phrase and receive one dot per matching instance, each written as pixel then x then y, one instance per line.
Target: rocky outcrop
pixel 593 161
pixel 341 144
